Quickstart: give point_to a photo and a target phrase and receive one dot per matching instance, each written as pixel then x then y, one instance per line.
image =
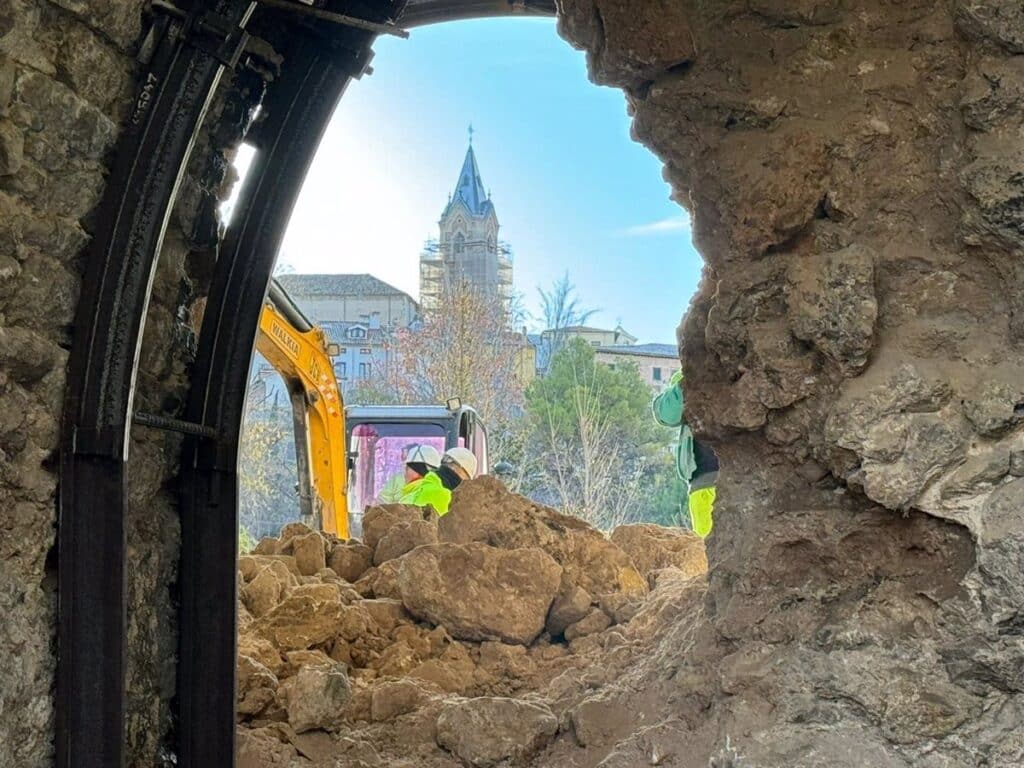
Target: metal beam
pixel 295 112
pixel 419 13
pixel 92 593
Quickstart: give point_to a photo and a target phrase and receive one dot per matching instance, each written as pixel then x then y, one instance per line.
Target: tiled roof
pixel 337 331
pixel 643 350
pixel 338 285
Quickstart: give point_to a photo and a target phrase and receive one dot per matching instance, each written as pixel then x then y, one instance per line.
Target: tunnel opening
pixel 211 321
pixel 851 368
pixel 404 655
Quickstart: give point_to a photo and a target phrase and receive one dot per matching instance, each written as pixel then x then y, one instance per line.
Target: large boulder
pixel 268 587
pixel 257 686
pixel 479 592
pixel 652 548
pixel 377 521
pixel 316 696
pixel 485 511
pixel 404 537
pixel 487 732
pixel 571 605
pixel 310 553
pixel 351 560
pixel 300 622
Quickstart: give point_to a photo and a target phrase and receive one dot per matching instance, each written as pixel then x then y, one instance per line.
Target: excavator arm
pixel 300 353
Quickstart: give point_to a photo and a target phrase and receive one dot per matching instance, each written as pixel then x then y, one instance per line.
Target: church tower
pixel 468 250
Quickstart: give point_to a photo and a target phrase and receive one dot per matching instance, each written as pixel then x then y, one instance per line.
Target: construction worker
pixel 391 493
pixel 457 465
pixel 696 462
pixel 423 485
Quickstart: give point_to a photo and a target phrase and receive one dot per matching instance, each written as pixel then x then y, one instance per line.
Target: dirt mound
pixel 394 651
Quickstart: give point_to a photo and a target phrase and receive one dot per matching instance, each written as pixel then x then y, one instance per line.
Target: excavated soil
pixel 502 634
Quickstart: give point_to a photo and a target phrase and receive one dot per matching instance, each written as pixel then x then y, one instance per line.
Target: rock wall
pixel 66 80
pixel 853 173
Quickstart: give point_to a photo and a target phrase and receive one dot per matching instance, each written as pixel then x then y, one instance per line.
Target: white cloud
pixel 680 223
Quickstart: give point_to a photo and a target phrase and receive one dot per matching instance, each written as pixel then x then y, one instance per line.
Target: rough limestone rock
pixel 393 699
pixel 378 521
pixel 316 696
pixel 594 622
pixel 308 550
pixel 571 605
pixel 485 511
pixel 832 304
pixel 267 588
pixel 652 548
pixel 488 732
pixel 300 622
pixel 404 537
pixel 479 592
pixel 350 560
pixel 257 686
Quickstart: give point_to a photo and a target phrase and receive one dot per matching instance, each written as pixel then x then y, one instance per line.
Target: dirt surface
pixel 454 651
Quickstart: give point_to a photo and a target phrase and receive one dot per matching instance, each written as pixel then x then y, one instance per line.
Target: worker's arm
pixel 669 406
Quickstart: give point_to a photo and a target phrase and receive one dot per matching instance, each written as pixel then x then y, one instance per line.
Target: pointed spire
pixel 470 187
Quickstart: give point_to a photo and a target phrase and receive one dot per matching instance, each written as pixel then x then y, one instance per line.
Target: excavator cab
pixel 380 437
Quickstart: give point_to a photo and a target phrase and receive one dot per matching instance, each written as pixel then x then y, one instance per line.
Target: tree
pixel 560 310
pixel 465 349
pixel 602 453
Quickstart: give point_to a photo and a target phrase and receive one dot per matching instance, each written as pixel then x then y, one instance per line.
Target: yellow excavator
pixel 345 457
pixel 301 353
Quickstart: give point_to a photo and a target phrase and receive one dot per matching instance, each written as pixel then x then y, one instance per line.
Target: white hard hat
pixel 424 454
pixel 464 458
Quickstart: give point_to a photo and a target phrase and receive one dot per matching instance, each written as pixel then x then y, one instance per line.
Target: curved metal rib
pixel 419 13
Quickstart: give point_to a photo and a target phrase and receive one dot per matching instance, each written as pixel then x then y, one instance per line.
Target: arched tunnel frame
pixel 190 47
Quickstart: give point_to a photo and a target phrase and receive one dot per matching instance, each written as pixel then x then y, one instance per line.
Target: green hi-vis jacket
pixel 668 410
pixel 428 491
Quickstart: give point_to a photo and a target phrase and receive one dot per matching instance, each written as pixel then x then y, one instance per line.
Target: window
pixel 460 243
pixel 365 351
pixel 595 343
pixel 341 369
pixel 357 333
pixel 364 370
pixel 657 374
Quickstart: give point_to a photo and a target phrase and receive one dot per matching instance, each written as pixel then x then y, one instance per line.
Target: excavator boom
pixel 301 354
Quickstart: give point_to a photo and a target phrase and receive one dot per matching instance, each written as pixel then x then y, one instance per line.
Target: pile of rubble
pixel 471 640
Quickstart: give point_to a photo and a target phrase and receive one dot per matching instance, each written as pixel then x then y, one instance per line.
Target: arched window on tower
pixel 460 243
pixel 492 245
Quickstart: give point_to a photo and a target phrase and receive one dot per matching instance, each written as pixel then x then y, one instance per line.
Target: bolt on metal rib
pixel 173 425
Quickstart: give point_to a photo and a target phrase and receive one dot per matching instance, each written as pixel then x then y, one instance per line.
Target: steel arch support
pixel 419 13
pixel 297 106
pixel 92 504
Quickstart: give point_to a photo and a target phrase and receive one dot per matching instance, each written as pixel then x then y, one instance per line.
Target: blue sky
pixel 572 190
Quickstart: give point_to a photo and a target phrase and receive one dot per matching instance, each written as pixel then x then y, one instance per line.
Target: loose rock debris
pixel 478 639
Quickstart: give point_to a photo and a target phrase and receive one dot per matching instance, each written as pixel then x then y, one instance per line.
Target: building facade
pixel 359 313
pixel 656 362
pixel 468 249
pixel 595 337
pixel 350 298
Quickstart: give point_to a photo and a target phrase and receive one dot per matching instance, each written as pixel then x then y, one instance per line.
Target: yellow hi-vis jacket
pixel 427 491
